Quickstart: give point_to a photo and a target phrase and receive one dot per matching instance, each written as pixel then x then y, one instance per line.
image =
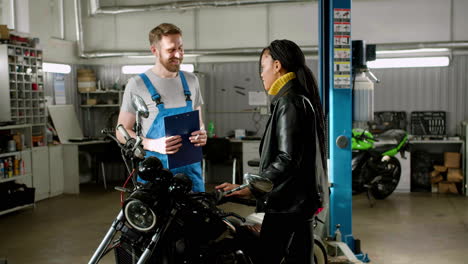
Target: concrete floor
pixel 406 228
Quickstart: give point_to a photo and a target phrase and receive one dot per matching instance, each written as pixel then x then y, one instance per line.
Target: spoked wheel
pixel 390 178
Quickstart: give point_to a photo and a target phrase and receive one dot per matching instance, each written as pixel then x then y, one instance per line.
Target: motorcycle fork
pixel 116 225
pixel 155 239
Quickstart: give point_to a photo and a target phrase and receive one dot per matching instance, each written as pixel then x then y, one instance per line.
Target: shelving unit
pixel 24 77
pixel 104 98
pixel 24 154
pixel 96 104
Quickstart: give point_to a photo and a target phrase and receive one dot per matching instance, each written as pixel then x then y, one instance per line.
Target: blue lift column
pixel 335 85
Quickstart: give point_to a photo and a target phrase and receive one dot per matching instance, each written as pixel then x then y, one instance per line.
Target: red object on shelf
pixel 34 86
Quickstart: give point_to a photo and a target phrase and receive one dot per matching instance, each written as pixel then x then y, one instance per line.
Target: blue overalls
pixel 157 130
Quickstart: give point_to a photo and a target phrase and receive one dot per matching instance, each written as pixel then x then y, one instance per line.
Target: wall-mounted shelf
pixel 97 106
pixel 22 85
pixel 9 154
pixel 16 177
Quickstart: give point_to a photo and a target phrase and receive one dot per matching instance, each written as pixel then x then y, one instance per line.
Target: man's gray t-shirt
pixel 170 89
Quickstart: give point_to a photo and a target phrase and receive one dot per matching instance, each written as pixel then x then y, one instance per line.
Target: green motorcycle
pixel 376 170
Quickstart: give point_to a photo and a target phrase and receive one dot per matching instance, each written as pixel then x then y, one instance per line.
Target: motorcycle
pixel 162 221
pixel 375 169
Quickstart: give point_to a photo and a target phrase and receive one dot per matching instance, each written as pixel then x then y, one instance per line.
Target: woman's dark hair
pixel 293 60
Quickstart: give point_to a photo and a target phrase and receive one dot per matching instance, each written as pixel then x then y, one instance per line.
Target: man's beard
pixel 171 67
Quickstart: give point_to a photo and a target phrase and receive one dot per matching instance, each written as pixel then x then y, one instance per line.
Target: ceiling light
pixel 186 55
pixel 409 62
pixel 56 68
pixel 411 51
pixel 137 69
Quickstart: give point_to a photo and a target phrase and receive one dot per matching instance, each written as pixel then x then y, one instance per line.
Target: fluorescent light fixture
pixel 409 62
pixel 411 51
pixel 152 56
pixel 137 69
pixel 140 56
pixel 56 68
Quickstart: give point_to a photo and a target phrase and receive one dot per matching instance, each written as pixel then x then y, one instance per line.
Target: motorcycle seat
pixel 396 135
pixel 384 148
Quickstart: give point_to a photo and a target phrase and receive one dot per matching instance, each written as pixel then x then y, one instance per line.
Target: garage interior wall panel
pixel 401 21
pixel 131 29
pixel 386 21
pixel 298 23
pixel 224 102
pixel 240 27
pixel 226 97
pixel 426 89
pixel 460 18
pixel 413 89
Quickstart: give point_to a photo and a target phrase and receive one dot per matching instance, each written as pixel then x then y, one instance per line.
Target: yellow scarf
pixel 280 82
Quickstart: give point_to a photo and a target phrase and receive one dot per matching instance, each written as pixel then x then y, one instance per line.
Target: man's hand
pixel 199 138
pixel 229 186
pixel 164 145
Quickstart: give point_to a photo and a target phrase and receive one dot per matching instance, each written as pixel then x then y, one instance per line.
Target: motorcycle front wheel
pixel 389 181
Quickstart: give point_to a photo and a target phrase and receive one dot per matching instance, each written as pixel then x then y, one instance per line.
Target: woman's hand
pixel 229 186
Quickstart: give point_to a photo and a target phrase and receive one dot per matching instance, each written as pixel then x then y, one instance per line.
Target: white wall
pixel 382 21
pixel 6 17
pixel 45 24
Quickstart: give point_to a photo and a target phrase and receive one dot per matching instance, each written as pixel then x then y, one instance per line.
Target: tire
pixel 320 254
pixel 390 179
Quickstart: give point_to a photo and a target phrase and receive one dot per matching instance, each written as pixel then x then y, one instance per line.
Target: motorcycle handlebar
pixel 109 133
pixel 123 132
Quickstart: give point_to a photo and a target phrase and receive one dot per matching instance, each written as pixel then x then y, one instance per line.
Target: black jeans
pixel 288 236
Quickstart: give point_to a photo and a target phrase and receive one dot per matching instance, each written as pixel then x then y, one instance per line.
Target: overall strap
pixel 154 94
pixel 187 92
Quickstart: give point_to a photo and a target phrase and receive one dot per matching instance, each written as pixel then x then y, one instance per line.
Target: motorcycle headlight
pixel 139 215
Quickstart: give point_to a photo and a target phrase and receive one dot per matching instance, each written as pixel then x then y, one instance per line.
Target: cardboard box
pixel 87 78
pixel 454 175
pixel 452 160
pixel 435 173
pixel 437 179
pixel 85 72
pixel 4 32
pixel 440 168
pixel 91 101
pixel 447 187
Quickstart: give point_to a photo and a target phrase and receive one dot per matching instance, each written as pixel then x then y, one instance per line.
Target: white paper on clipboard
pixel 257 98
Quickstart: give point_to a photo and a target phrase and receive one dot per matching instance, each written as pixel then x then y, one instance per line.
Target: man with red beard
pixel 166 91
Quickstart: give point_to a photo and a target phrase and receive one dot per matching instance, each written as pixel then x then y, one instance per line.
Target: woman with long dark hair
pixel 288 155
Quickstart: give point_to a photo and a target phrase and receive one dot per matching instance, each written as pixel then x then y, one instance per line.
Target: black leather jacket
pixel 287 154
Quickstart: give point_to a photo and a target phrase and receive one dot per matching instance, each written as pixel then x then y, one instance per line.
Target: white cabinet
pixel 56 170
pixel 71 172
pixel 249 152
pixel 40 169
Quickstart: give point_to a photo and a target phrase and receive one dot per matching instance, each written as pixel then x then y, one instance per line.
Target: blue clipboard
pixel 183 125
